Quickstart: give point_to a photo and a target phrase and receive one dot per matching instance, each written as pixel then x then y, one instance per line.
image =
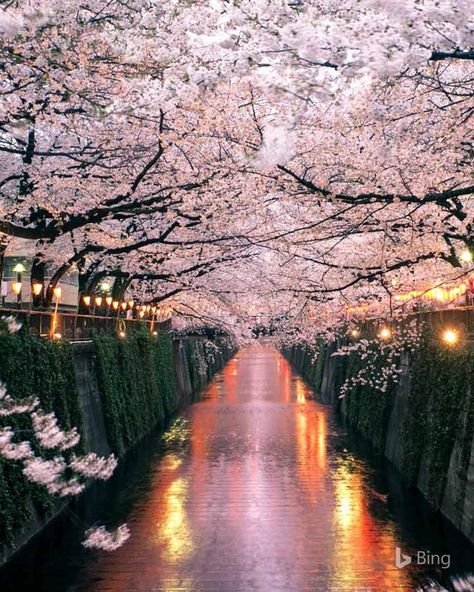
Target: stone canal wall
pixel 423 422
pixel 114 390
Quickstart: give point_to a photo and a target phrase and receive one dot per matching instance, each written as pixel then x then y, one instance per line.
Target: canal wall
pixel 422 419
pixel 113 390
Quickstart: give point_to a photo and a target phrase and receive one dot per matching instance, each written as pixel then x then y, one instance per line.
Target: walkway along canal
pixel 256 487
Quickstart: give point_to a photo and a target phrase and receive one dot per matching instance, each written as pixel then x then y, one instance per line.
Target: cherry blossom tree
pixel 196 150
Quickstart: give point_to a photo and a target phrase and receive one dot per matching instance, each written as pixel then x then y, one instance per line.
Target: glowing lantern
pixel 450 336
pixel 37 288
pixel 385 333
pixel 86 300
pixel 16 287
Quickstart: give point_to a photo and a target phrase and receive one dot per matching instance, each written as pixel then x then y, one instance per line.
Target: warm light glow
pixel 57 336
pixel 155 333
pixel 108 300
pixel 130 303
pixel 385 333
pixel 36 287
pixel 98 300
pixel 19 268
pixel 86 300
pixel 57 293
pixel 450 336
pixel 124 305
pixel 300 391
pixel 115 304
pixel 153 309
pixel 16 287
pixel 105 286
pixel 466 256
pixel 354 333
pixel 174 531
pixel 141 314
pixel 122 334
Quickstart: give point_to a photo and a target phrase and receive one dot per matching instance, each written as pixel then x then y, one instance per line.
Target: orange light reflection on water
pixel 259 492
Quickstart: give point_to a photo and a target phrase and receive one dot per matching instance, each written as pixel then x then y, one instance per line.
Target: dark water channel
pixel 257 488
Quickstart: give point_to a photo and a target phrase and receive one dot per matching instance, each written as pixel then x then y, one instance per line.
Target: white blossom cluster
pixel 406 339
pixel 458 584
pixel 101 538
pixel 50 435
pixel 93 466
pixel 10 406
pixel 13 326
pixel 13 450
pixel 63 474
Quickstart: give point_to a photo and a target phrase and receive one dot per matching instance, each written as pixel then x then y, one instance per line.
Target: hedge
pixel 33 366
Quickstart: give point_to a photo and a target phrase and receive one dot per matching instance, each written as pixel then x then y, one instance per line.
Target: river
pixel 255 487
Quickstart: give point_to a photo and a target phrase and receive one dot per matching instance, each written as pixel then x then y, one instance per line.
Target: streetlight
pixel 19 269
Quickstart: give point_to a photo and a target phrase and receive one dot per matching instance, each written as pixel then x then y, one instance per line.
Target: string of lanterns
pixel 450 336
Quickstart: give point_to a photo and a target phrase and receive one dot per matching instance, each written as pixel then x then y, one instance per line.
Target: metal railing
pixel 78 327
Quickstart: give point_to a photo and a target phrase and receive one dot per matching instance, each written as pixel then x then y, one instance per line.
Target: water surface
pixel 256 488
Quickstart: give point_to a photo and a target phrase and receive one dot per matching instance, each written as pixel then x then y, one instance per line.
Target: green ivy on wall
pixel 439 405
pixel 137 383
pixel 366 408
pixel 194 353
pixel 309 362
pixel 33 366
pixel 438 393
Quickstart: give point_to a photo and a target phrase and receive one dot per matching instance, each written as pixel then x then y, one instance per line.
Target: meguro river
pixel 256 487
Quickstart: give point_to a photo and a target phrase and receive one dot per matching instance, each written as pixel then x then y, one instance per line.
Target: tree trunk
pixel 38 269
